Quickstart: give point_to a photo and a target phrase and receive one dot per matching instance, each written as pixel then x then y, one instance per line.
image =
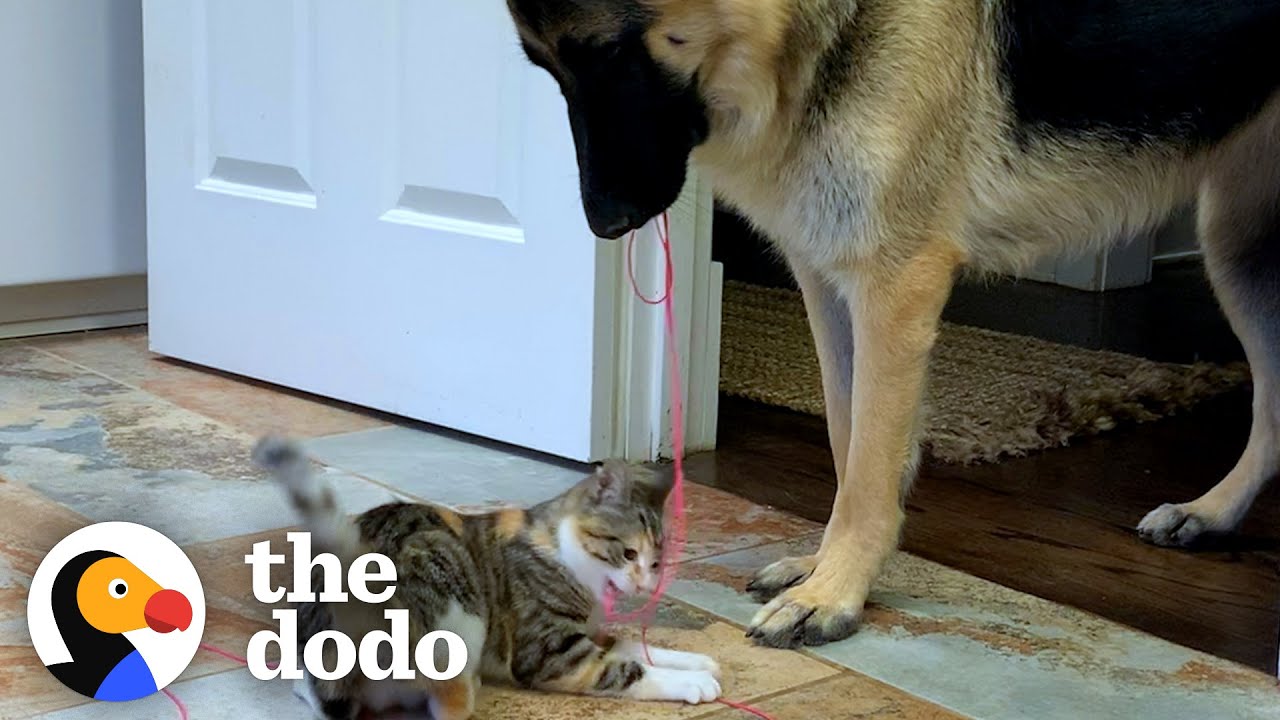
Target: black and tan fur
pixel 523 589
pixel 882 145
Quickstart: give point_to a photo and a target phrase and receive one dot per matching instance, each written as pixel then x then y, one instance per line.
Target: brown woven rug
pixel 991 394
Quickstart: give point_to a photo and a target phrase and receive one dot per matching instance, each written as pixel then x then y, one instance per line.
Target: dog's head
pixel 634 106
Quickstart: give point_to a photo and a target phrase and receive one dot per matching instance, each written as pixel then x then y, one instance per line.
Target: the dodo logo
pixel 116 611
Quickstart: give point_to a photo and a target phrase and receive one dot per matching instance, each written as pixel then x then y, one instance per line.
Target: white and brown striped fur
pixel 523 588
pixel 884 145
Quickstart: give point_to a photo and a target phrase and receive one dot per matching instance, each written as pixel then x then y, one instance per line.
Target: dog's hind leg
pixel 896 305
pixel 1240 235
pixel 832 328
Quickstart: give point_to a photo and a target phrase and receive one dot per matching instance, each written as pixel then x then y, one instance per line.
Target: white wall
pixel 72 183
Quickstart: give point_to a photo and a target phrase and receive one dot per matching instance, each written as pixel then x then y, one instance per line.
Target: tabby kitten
pixel 522 588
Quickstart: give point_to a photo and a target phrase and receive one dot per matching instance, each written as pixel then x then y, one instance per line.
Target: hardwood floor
pixel 1059 524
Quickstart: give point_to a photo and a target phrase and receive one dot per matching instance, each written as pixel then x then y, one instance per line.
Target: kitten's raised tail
pixel 313 499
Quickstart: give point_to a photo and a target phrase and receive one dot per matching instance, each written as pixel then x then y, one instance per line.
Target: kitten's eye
pixel 657 565
pixel 676 40
pixel 630 555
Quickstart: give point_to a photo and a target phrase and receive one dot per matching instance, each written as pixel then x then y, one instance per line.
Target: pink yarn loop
pixel 673 549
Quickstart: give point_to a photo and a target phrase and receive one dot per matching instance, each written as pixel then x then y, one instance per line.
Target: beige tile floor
pixel 94 428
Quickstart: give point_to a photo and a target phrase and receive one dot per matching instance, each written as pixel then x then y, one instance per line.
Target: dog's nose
pixel 610 216
pixel 613 228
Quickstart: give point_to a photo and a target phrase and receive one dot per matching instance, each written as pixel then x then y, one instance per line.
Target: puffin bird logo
pixel 103 626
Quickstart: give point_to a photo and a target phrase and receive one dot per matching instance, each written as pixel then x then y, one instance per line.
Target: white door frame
pixel 642 403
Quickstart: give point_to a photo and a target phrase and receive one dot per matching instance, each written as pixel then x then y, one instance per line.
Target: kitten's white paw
pixel 690 686
pixel 689 661
pixel 677 660
pixel 704 664
pixel 700 687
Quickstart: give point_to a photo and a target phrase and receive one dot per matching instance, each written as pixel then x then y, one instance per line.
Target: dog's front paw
pixel 786 573
pixel 1177 526
pixel 806 615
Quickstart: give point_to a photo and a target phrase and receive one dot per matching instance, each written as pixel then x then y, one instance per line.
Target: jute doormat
pixel 991 394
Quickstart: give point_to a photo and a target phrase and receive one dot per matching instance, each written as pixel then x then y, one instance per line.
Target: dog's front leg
pixel 832 328
pixel 895 306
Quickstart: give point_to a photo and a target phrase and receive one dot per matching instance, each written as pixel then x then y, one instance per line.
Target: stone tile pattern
pixel 92 428
pixel 253 407
pixel 991 652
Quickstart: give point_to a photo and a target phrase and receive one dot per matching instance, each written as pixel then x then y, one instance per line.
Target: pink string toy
pixel 673 548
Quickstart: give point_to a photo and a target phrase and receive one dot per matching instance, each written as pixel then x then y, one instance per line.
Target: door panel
pixel 254 66
pixel 376 202
pixel 469 185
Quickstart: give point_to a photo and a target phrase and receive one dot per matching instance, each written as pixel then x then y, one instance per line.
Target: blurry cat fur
pixel 523 588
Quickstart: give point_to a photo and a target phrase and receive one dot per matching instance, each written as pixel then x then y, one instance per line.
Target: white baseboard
pixel 61 307
pixel 31 328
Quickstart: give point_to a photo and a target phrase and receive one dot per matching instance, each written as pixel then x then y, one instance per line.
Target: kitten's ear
pixel 609 485
pixel 618 483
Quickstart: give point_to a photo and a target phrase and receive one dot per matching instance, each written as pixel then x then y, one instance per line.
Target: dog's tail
pixel 313 499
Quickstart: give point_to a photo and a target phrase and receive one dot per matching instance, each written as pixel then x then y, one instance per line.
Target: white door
pixel 377 201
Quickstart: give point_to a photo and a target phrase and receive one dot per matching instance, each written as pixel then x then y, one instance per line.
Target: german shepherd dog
pixel 882 145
